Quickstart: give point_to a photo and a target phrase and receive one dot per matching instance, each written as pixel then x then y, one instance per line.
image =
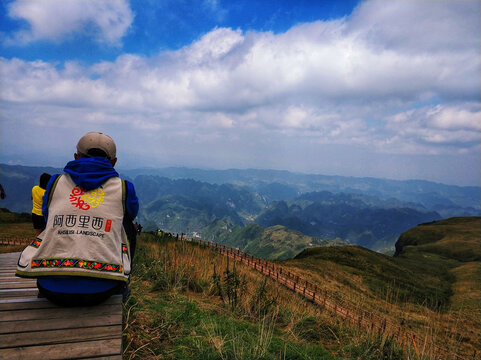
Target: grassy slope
pixel 174 317
pixel 437 266
pixel 272 243
pixel 452 249
pixel 176 312
pixel 17 226
pixel 279 242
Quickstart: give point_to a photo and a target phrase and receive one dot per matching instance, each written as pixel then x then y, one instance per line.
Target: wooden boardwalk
pixel 33 328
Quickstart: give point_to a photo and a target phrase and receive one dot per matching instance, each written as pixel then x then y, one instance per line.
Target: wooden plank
pixel 65 351
pixel 18 284
pixel 11 255
pixel 4 280
pixel 10 293
pixel 56 324
pixel 16 279
pixel 32 327
pixel 49 337
pixel 59 312
pixel 37 303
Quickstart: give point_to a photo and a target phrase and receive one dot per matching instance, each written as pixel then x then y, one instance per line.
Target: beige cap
pixel 96 140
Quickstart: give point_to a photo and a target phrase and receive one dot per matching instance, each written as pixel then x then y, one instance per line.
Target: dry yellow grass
pixel 23 230
pixel 15 230
pixel 201 262
pixel 457 328
pixel 430 326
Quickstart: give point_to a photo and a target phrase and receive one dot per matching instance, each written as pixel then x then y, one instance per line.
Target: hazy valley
pixel 227 205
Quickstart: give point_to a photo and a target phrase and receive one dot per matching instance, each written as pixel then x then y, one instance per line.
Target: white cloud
pixel 415 26
pixel 468 118
pixel 55 20
pixel 368 80
pixel 436 129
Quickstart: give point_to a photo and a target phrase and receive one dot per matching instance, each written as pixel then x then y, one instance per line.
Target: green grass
pixel 8 217
pixel 434 281
pixel 272 243
pixel 455 238
pixel 13 225
pixel 422 271
pixel 179 329
pixel 382 273
pixel 180 310
pixel 178 314
pixel 278 243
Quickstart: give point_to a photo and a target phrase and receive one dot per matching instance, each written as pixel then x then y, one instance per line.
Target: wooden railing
pixel 7 240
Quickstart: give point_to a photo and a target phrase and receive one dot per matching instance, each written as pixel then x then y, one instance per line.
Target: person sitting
pixel 85 253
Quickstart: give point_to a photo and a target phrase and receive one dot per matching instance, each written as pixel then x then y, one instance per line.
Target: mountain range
pixel 317 208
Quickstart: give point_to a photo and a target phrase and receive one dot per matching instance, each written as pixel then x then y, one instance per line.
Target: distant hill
pixel 433 283
pixel 437 263
pixel 8 217
pixel 364 211
pixel 361 220
pixel 273 243
pixel 447 200
pixel 18 181
pixel 188 206
pixel 455 238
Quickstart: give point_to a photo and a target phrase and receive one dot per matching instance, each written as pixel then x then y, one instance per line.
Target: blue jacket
pixel 89 174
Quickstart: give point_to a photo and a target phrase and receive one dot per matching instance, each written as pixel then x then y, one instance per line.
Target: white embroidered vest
pixel 84 235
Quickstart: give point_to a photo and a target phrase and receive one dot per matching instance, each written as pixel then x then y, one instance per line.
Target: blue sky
pixel 376 88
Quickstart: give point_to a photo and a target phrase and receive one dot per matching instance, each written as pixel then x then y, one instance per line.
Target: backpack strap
pixel 52 189
pixel 124 196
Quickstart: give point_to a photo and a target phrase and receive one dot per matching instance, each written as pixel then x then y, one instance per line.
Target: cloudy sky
pixel 387 89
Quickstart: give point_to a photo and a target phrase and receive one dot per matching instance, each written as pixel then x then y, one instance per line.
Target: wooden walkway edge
pixel 35 328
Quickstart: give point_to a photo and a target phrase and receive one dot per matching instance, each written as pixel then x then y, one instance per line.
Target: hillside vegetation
pixel 450 249
pixel 363 211
pixel 272 243
pixel 189 300
pixel 15 225
pixel 433 281
pixel 357 219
